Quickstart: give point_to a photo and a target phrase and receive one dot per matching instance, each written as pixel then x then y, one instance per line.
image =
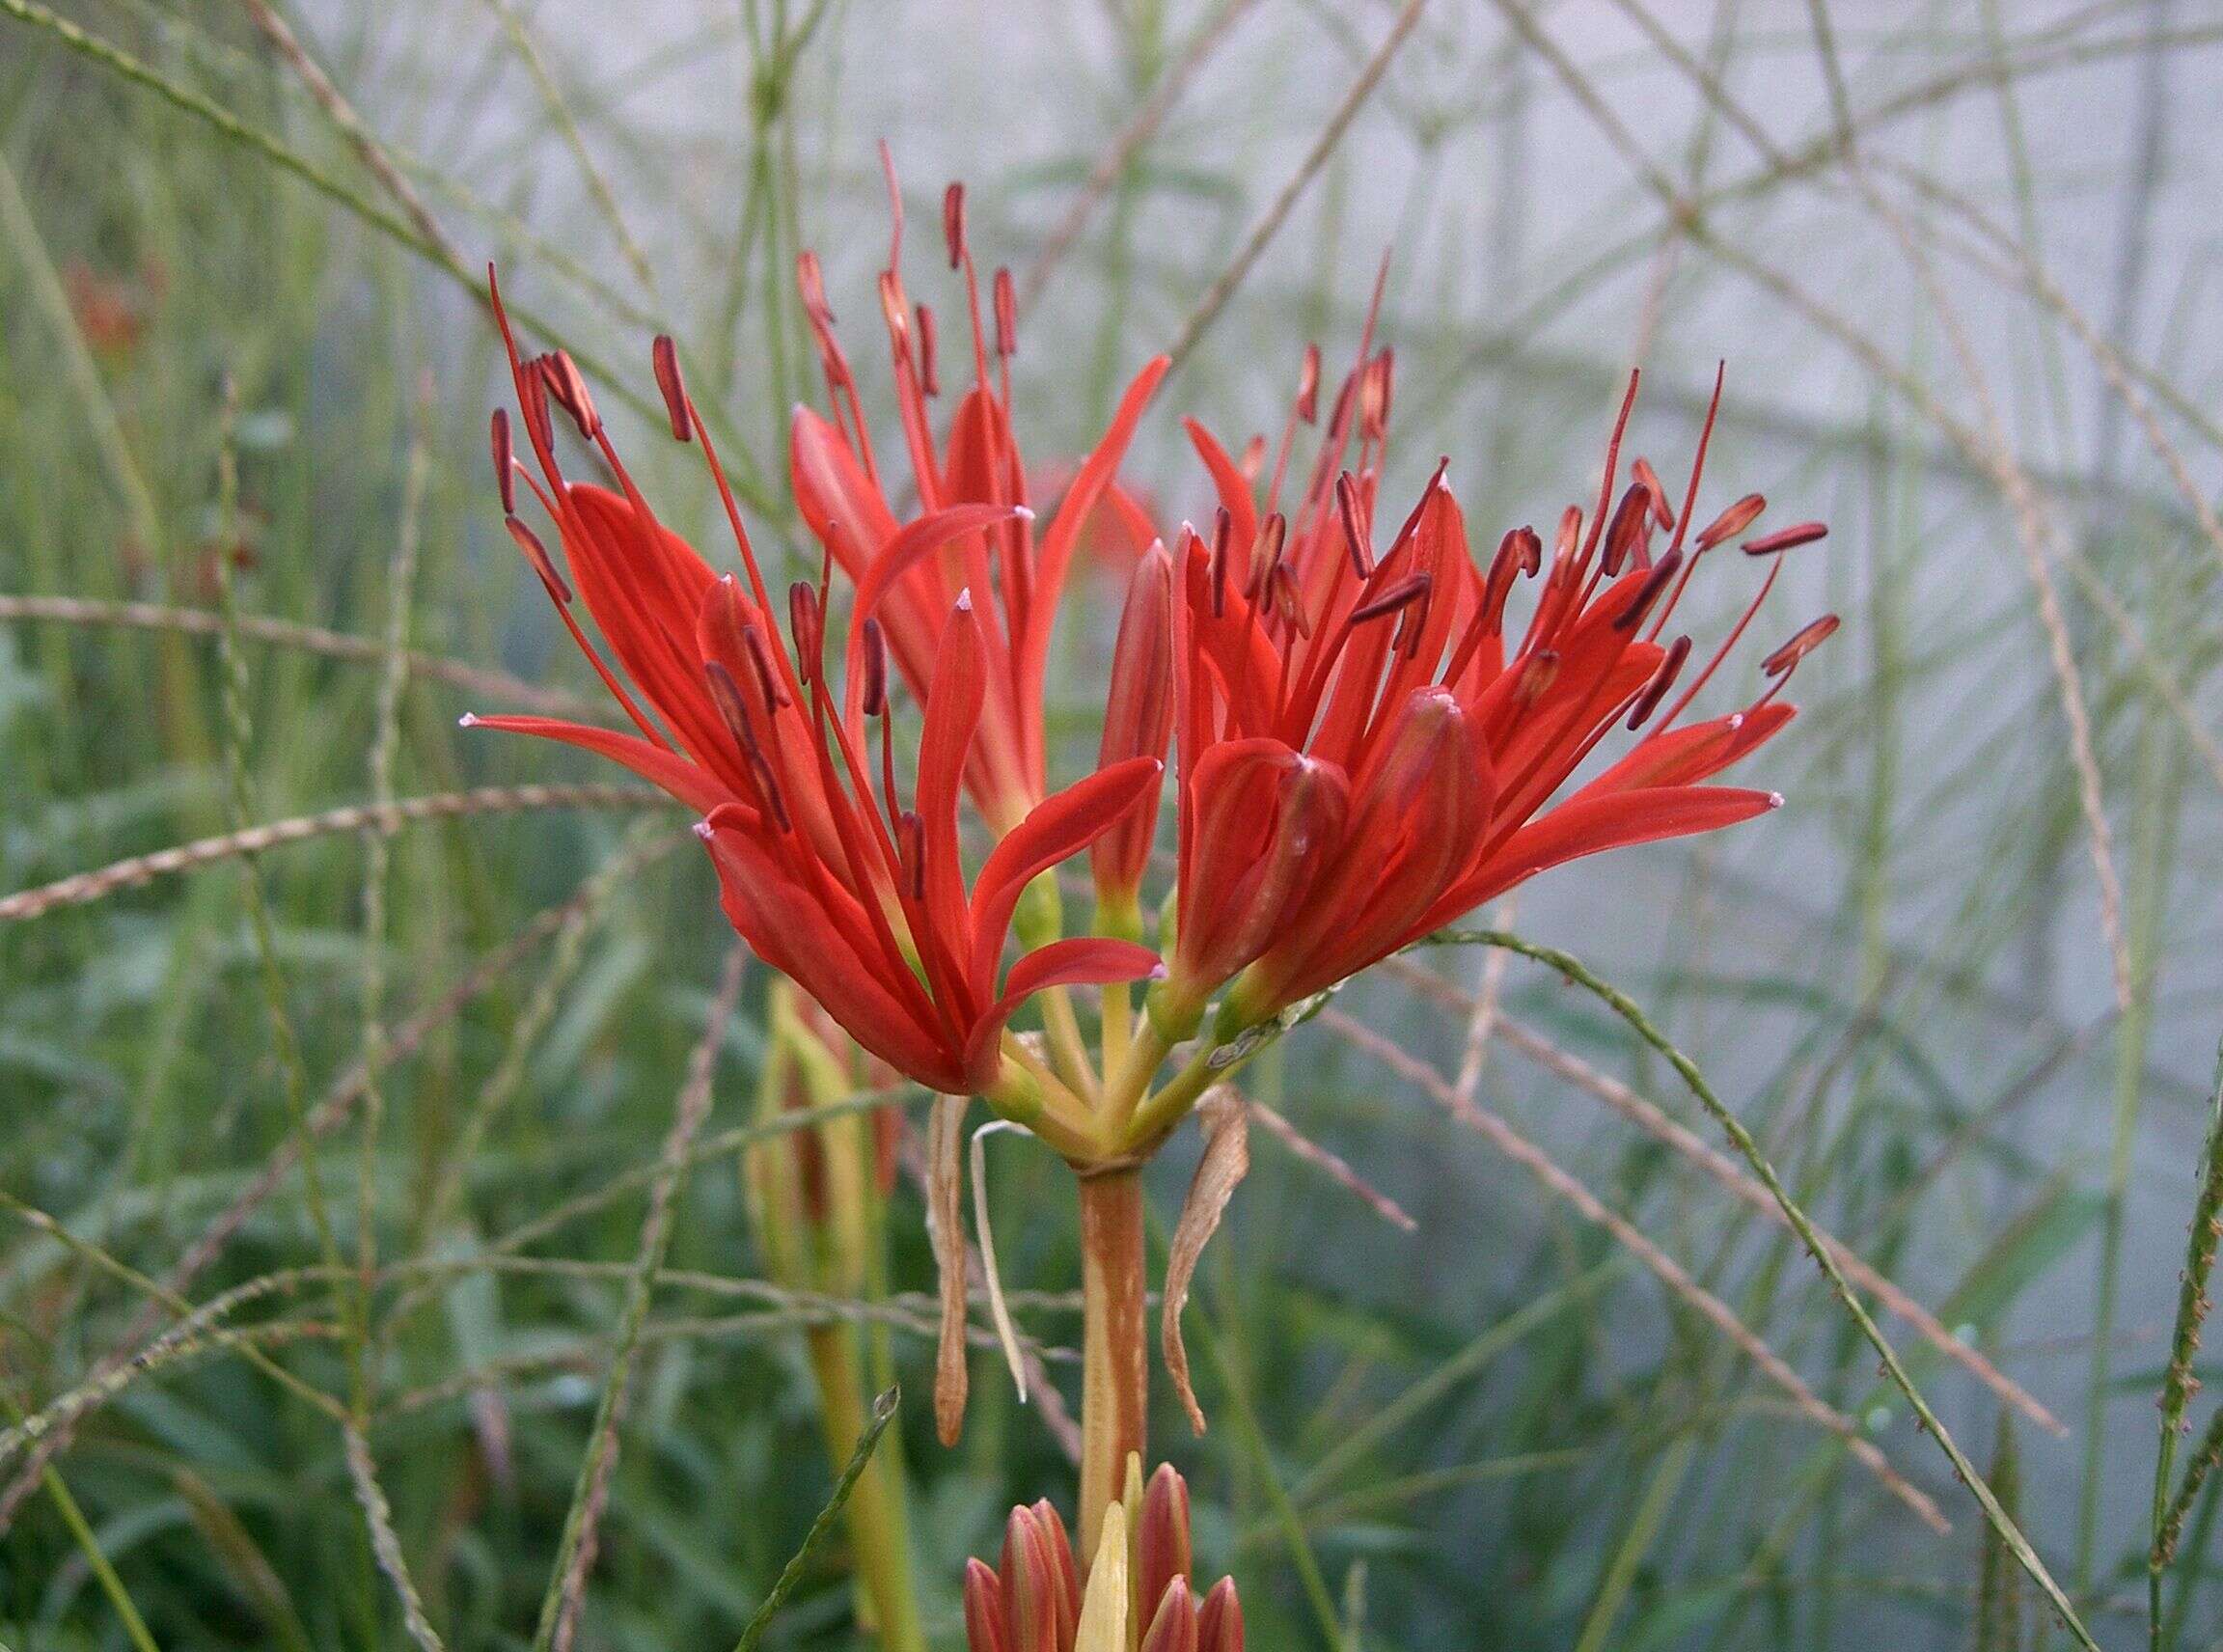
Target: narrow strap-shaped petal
pixel 1057 828
pixel 952 715
pixel 1683 756
pixel 1137 717
pixel 913 543
pixel 1589 824
pixel 842 506
pixel 831 487
pixel 1426 801
pixel 644 586
pixel 792 930
pixel 1231 484
pixel 695 786
pixel 1057 552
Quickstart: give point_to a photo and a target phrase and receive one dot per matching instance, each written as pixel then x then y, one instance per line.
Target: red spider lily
pixel 907 581
pixel 1033 1601
pixel 1365 755
pixel 858 899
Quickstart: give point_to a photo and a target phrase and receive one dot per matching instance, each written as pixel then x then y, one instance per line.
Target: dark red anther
pixel 1355 536
pixel 954 223
pixel 928 380
pixel 666 356
pixel 1337 416
pixel 1810 636
pixel 1732 521
pixel 770 787
pixel 1223 529
pixel 760 663
pixel 1413 588
pixel 1006 315
pixel 569 389
pixel 1308 386
pixel 1785 538
pixel 873 698
pixel 504 462
pixel 1625 535
pixel 1266 554
pixel 536 554
pixel 1650 592
pixel 1662 512
pixel 1662 681
pixel 1518 552
pixel 1531 549
pixel 807 625
pixel 732 709
pixel 1288 601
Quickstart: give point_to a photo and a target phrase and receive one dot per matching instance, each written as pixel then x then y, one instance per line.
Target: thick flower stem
pixel 879 1530
pixel 1116 1369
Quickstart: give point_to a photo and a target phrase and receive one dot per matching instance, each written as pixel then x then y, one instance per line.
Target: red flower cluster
pixel 1365 752
pixel 826 873
pixel 1366 746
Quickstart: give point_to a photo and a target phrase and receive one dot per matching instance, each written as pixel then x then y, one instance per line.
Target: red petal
pixel 1139 715
pixel 691 784
pixel 644 586
pixel 1591 823
pixel 1425 803
pixel 832 487
pixel 1054 829
pixel 1683 756
pixel 1233 487
pixel 1057 552
pixel 1265 821
pixel 794 932
pixel 913 543
pixel 952 714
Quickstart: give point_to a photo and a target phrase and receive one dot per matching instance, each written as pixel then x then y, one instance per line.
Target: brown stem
pixel 1115 1370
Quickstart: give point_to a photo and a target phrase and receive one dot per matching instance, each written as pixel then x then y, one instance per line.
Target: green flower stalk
pixel 819 1197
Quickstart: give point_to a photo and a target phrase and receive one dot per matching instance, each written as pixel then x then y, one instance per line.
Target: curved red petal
pixel 1590 823
pixel 1057 828
pixel 1684 757
pixel 1033 628
pixel 695 786
pixel 791 929
pixel 953 703
pixel 1082 961
pixel 1231 484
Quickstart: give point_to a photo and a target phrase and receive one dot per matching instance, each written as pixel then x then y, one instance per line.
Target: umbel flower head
pixel 1368 748
pixel 1139 1590
pixel 838 879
